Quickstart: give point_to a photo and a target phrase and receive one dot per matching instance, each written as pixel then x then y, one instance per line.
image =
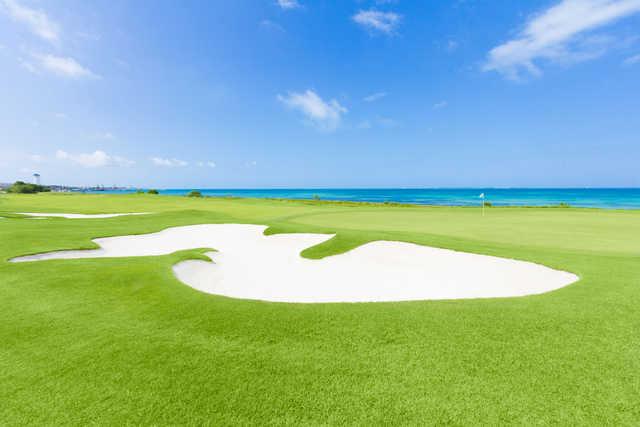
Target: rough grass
pixel 121 341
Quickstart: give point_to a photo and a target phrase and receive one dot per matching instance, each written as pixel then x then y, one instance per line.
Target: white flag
pixel 481 195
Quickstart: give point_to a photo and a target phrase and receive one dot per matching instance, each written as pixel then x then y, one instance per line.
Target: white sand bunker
pixel 250 265
pixel 79 216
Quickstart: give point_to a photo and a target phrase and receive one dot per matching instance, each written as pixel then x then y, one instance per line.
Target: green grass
pixel 121 341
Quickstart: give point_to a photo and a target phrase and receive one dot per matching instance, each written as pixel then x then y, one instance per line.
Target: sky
pixel 303 94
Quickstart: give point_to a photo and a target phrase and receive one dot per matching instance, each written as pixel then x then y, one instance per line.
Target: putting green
pixel 111 341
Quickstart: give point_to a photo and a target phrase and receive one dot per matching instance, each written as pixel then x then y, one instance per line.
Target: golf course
pixel 120 340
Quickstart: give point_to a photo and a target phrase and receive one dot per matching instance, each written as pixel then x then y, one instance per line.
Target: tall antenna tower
pixel 36 178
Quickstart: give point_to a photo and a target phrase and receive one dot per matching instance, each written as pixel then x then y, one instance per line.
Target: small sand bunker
pixel 79 216
pixel 250 265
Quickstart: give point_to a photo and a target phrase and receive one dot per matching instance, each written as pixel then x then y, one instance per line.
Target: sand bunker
pixel 79 216
pixel 250 265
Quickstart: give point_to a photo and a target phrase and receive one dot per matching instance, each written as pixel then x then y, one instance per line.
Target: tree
pixel 21 187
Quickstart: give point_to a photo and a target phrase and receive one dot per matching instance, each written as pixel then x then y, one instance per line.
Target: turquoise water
pixel 610 198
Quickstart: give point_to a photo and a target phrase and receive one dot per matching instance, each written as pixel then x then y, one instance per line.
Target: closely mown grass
pixel 121 341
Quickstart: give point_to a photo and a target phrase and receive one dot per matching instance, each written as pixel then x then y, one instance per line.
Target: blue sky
pixel 301 93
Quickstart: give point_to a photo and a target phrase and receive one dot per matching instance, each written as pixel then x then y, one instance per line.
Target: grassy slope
pixel 115 340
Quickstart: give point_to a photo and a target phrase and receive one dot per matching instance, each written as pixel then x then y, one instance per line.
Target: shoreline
pixel 489 203
pixel 608 198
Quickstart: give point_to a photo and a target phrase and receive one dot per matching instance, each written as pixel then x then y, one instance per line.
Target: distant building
pixel 36 178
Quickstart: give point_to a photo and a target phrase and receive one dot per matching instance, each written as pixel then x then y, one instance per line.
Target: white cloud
pixel 206 164
pixel 556 34
pixel 323 115
pixel 171 163
pixel 36 20
pixel 61 116
pixel 439 105
pixel 66 67
pixel 635 59
pixel 288 4
pixel 375 96
pixel 375 20
pixel 96 159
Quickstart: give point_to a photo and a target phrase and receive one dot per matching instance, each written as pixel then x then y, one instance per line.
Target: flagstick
pixel 483 206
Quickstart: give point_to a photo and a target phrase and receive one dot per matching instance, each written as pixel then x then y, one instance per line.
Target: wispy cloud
pixel 36 20
pixel 269 25
pixel 323 115
pixel 374 96
pixel 61 66
pixel 96 159
pixel 384 122
pixel 557 34
pixel 388 122
pixel 439 105
pixel 104 136
pixel 122 63
pixel 171 163
pixel 635 59
pixel 206 164
pixel 37 158
pixel 86 35
pixel 288 4
pixel 364 124
pixel 27 65
pixel 377 21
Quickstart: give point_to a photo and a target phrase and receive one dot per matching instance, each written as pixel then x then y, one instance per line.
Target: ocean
pixel 608 198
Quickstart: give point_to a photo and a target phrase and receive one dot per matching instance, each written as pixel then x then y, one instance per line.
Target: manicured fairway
pixel 115 341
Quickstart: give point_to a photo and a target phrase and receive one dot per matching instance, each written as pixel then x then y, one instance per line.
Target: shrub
pixel 152 191
pixel 194 193
pixel 488 204
pixel 564 205
pixel 316 197
pixel 139 191
pixel 25 188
